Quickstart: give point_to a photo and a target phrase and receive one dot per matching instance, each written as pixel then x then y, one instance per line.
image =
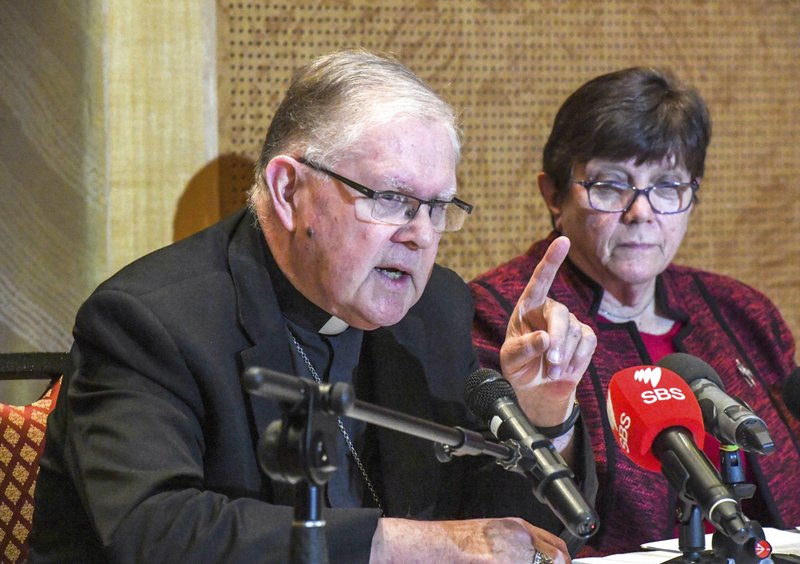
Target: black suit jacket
pixel 151 451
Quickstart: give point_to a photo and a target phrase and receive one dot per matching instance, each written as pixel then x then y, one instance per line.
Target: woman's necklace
pixel 615 316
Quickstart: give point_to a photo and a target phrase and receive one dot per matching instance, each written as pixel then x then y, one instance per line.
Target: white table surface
pixel 783 542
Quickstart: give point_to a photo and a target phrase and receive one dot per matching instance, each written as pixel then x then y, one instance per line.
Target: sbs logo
pixel 662 394
pixel 652 376
pixel 622 431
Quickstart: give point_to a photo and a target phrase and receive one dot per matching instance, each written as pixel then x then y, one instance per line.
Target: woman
pixel 621 170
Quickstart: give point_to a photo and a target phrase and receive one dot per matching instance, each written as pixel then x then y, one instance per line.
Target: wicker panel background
pixel 507 66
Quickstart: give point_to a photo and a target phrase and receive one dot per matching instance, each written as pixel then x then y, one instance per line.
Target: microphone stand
pixel 691 536
pixel 301 448
pixel 732 472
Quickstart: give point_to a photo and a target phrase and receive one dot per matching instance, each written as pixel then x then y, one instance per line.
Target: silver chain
pixel 610 314
pixel 346 436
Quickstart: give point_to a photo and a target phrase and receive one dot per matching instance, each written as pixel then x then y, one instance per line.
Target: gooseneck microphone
pixel 728 419
pixel 491 398
pixel 658 424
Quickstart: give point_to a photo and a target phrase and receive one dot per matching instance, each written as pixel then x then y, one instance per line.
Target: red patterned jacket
pixel 731 326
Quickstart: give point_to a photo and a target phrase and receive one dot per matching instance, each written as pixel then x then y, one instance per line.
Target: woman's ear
pixel 696 201
pixel 552 199
pixel 280 179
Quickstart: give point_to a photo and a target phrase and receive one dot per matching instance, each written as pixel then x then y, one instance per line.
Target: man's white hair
pixel 333 100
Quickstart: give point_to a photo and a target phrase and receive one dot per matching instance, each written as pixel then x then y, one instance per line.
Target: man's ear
pixel 280 179
pixel 552 199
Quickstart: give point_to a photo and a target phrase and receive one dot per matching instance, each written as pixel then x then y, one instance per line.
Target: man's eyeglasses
pixel 615 197
pixel 396 208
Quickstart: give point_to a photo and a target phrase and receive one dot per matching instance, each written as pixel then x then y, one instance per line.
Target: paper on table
pixel 786 542
pixel 649 557
pixel 781 541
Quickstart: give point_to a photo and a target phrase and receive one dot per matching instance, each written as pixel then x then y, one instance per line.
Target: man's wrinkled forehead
pixel 404 176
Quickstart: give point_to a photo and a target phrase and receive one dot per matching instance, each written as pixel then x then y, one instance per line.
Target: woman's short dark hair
pixel 641 113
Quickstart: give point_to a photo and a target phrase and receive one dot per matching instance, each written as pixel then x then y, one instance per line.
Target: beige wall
pixel 52 170
pixel 125 125
pixel 161 117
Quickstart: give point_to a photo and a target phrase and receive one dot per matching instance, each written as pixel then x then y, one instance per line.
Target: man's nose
pixel 420 229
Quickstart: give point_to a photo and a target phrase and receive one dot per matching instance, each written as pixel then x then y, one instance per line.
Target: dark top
pixel 151 451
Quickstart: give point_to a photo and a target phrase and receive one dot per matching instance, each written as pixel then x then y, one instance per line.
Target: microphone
pixel 728 419
pixel 791 393
pixel 657 422
pixel 491 398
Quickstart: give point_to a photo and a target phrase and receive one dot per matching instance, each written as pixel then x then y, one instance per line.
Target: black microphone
pixel 491 398
pixel 791 392
pixel 728 419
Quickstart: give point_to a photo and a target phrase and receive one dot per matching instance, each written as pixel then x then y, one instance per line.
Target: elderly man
pixel 151 453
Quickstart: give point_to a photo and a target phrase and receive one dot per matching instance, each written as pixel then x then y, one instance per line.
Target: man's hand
pixel 546 350
pixel 496 541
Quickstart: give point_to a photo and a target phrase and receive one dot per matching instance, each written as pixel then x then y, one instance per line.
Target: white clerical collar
pixel 333 326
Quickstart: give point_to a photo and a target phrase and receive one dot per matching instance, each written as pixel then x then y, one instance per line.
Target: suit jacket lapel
pixel 259 314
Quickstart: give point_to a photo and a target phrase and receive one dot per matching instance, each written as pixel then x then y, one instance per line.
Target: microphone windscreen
pixel 642 402
pixel 791 392
pixel 483 388
pixel 691 368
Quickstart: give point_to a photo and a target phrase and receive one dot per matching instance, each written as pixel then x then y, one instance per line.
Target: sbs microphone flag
pixel 658 423
pixel 645 400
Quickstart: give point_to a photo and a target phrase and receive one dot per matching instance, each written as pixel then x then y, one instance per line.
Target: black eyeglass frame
pixel 375 194
pixel 589 184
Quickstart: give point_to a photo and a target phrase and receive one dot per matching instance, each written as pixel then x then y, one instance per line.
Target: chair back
pixel 22 432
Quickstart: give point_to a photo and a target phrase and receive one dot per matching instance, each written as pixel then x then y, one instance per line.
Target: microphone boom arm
pixel 543 464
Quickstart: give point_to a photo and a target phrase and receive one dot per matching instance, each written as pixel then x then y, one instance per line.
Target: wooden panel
pixel 507 66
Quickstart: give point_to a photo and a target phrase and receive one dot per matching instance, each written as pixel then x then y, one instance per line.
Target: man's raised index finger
pixel 545 272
